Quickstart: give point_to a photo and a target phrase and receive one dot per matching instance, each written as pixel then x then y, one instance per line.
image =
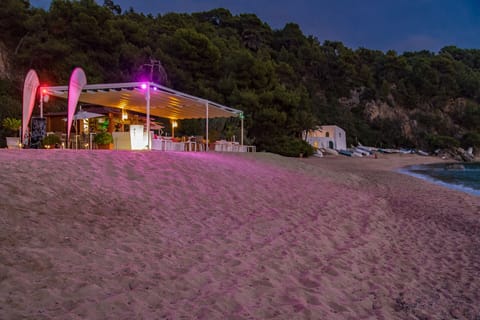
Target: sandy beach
pixel 165 235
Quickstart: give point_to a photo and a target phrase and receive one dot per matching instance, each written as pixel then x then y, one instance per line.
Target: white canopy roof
pixel 164 102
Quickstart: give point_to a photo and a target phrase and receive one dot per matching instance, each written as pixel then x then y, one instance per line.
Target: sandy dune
pixel 152 235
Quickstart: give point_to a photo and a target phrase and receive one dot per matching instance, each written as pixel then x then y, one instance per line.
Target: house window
pixel 327 134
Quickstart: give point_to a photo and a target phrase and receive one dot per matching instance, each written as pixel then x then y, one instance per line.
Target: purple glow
pixel 144 86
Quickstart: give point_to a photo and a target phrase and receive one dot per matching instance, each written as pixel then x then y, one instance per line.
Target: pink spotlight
pixel 144 86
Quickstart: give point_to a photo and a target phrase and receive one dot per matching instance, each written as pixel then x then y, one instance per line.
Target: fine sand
pixel 165 235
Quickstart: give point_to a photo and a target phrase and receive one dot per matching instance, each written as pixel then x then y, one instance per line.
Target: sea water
pixel 459 176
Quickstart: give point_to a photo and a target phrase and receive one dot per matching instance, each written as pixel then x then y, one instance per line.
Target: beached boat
pixel 370 150
pixel 366 148
pixel 422 153
pixel 345 153
pixel 406 151
pixel 362 151
pixel 329 151
pixel 388 151
pixel 318 153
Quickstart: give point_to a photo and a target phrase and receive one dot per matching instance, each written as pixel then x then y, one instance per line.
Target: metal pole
pixel 41 103
pixel 241 131
pixel 148 118
pixel 206 126
pixel 76 134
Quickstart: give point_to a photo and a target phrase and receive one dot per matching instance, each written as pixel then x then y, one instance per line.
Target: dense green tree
pixel 13 17
pixel 471 139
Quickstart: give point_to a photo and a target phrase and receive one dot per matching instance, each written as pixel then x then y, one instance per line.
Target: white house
pixel 332 137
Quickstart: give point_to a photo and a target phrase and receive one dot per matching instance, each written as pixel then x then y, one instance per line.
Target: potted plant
pixel 51 141
pixel 13 126
pixel 104 140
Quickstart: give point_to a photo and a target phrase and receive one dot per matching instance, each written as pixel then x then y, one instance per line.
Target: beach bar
pixel 148 98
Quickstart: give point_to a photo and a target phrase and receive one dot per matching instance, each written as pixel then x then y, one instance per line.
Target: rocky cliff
pixel 411 122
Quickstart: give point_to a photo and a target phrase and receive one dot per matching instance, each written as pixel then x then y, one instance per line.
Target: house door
pixel 330 144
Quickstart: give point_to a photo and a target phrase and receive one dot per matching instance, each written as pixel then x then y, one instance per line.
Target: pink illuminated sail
pixel 30 87
pixel 77 81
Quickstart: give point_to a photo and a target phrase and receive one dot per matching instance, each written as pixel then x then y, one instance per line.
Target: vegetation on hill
pixel 284 81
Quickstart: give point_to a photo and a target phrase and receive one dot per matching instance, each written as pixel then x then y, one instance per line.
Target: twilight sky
pixel 401 25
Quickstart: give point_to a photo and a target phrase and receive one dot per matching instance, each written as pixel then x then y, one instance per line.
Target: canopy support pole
pixel 41 103
pixel 241 130
pixel 149 142
pixel 206 126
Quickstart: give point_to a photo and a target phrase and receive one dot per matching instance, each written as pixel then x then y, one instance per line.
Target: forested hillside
pixel 284 81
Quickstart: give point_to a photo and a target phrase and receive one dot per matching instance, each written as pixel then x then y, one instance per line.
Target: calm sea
pixel 466 179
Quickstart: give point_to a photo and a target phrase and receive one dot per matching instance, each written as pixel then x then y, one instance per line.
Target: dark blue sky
pixel 401 25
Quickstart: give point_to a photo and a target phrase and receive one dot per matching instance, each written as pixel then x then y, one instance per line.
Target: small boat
pixel 345 153
pixel 318 153
pixel 369 149
pixel 406 151
pixel 329 151
pixel 422 153
pixel 389 151
pixel 355 153
pixel 362 151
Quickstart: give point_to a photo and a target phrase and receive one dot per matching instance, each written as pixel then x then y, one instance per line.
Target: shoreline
pixel 410 170
pixel 402 163
pixel 124 235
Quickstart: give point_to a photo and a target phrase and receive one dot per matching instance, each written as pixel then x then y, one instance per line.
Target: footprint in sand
pixel 308 283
